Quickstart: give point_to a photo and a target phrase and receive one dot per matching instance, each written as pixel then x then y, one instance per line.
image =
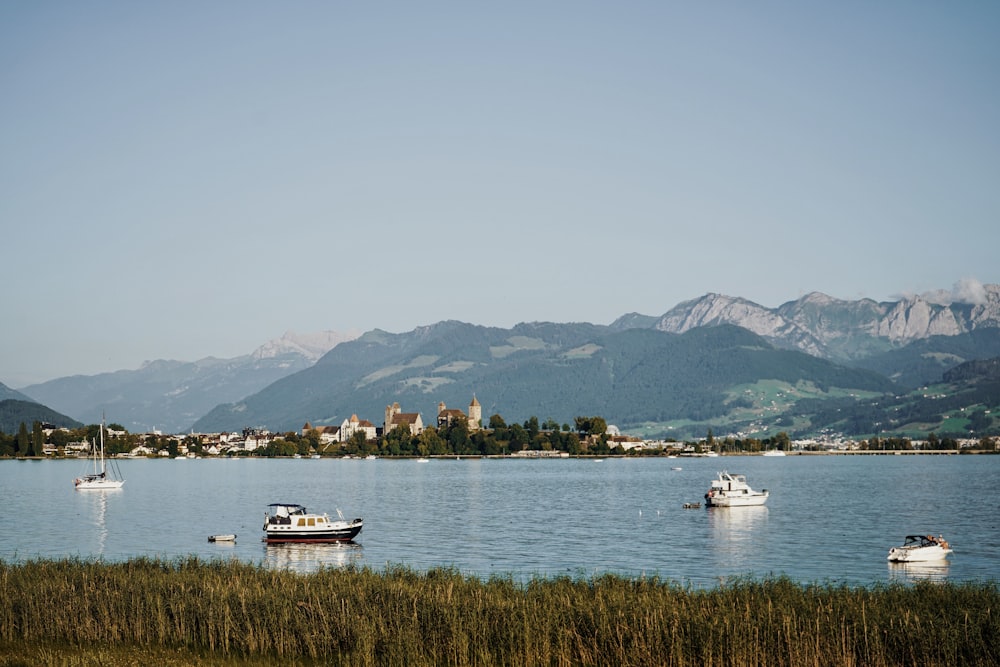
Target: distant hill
pixel 961 403
pixel 672 386
pixel 8 394
pixel 980 371
pixel 13 413
pixel 552 371
pixel 171 395
pixel 923 361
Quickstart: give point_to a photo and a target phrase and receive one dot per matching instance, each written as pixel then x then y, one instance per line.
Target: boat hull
pixel 344 533
pixel 98 484
pixel 736 501
pixel 917 554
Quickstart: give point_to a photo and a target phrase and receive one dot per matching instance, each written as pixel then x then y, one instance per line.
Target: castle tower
pixel 390 412
pixel 475 414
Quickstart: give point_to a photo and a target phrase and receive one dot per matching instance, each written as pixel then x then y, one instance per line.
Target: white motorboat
pixel 731 490
pixel 774 452
pixel 920 548
pixel 287 522
pixel 100 479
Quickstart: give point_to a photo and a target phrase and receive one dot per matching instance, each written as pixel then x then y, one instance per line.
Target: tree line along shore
pixel 220 612
pixel 586 436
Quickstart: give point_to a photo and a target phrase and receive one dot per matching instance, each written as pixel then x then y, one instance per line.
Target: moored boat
pixel 731 490
pixel 289 522
pixel 100 478
pixel 920 548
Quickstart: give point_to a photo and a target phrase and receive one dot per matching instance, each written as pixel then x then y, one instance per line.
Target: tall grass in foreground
pixel 364 617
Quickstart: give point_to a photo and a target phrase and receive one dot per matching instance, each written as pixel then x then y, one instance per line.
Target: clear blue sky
pixel 190 179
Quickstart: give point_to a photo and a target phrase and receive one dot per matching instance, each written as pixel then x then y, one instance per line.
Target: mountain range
pixel 716 360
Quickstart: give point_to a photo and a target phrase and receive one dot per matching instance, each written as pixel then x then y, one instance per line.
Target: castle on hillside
pixel 474 418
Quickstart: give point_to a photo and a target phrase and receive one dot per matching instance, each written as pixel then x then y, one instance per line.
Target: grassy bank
pixel 225 613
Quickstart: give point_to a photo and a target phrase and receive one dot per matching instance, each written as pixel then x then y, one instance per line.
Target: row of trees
pixel 587 435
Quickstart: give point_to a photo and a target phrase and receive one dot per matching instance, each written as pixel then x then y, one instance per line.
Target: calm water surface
pixel 829 518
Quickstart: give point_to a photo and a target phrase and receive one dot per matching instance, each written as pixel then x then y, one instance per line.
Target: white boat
pixel 230 537
pixel 774 452
pixel 99 479
pixel 731 490
pixel 287 522
pixel 423 460
pixel 920 548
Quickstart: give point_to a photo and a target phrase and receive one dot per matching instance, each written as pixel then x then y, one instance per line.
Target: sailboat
pixel 99 479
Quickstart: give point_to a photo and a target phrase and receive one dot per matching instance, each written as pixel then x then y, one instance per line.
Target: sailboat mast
pixel 102 446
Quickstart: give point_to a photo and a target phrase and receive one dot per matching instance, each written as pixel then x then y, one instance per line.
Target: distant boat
pixel 99 479
pixel 423 460
pixel 774 452
pixel 231 537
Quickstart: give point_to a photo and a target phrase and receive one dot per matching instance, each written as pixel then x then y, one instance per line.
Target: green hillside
pixel 13 413
pixel 636 378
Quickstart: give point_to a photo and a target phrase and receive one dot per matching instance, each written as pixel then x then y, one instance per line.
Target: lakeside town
pixel 453 432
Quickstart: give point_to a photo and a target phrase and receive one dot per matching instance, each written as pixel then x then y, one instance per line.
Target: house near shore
pixel 355 425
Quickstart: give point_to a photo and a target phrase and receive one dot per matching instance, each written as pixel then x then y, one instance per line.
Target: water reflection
pixel 926 571
pixel 96 502
pixel 736 523
pixel 731 531
pixel 306 558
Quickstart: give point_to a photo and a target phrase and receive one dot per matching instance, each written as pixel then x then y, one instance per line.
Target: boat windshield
pixel 283 509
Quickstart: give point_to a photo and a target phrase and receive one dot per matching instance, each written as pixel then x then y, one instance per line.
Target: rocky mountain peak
pixel 312 346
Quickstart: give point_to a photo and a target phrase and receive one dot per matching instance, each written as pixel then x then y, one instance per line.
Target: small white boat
pixel 231 537
pixel 287 522
pixel 423 460
pixel 731 490
pixel 920 548
pixel 774 452
pixel 99 479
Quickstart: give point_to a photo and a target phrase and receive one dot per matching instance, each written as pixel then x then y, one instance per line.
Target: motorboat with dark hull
pixel 289 522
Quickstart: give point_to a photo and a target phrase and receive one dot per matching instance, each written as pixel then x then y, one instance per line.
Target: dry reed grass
pixel 219 611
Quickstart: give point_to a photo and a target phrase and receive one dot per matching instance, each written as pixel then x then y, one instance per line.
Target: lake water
pixel 830 519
